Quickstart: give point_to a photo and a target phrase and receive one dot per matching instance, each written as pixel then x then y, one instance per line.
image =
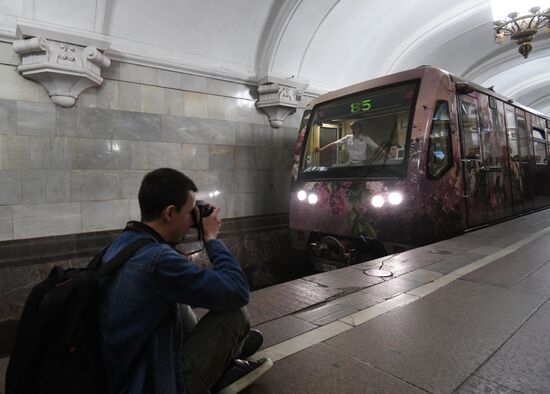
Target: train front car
pixel 373 171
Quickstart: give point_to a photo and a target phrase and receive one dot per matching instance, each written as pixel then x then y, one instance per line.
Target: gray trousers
pixel 210 345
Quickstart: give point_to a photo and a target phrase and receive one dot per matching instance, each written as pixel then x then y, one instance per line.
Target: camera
pixel 204 208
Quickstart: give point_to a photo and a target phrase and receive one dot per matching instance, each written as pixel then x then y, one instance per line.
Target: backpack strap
pixel 121 257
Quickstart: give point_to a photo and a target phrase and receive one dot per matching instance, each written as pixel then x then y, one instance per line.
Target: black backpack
pixel 57 348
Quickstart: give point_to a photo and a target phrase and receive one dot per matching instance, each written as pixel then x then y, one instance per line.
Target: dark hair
pixel 161 188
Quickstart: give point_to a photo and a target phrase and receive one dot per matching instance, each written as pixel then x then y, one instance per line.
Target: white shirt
pixel 356 146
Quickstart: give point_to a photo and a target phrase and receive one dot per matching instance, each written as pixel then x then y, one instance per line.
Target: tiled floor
pixel 466 315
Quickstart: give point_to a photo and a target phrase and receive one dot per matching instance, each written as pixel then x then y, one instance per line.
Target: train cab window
pixel 470 128
pixel 362 134
pixel 539 146
pixel 512 131
pixel 439 152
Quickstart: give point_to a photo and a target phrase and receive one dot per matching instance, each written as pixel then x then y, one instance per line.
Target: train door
pixel 520 173
pixel 495 166
pixel 475 191
pixel 541 168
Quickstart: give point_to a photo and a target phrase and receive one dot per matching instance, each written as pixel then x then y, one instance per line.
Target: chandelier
pixel 519 23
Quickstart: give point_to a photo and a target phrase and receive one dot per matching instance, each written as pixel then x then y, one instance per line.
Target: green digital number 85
pixel 366 105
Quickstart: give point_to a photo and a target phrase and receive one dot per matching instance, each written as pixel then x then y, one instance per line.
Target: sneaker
pixel 240 375
pixel 252 344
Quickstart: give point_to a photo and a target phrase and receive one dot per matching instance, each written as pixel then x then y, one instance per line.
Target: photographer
pixel 150 343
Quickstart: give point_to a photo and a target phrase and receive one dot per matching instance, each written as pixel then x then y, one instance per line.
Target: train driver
pixel 356 144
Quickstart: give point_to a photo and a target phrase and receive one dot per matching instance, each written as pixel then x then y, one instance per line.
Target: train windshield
pixel 360 135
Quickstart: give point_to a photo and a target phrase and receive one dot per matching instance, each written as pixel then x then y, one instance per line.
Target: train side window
pixel 439 159
pixel 522 134
pixel 470 128
pixel 511 129
pixel 539 146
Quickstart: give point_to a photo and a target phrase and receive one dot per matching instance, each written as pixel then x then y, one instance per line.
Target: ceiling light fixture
pixel 519 23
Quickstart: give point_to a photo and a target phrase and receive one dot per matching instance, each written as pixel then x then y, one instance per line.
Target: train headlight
pixel 377 201
pixel 395 198
pixel 312 198
pixel 302 195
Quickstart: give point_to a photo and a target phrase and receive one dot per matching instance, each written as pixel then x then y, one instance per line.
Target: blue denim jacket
pixel 139 302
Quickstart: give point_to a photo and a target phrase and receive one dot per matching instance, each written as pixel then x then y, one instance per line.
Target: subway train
pixel 409 159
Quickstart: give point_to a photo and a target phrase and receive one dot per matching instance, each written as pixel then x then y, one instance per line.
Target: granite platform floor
pixel 466 315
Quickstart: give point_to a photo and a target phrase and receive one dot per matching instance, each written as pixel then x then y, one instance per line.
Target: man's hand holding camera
pixel 211 224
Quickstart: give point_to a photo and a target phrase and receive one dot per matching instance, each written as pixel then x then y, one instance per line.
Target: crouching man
pixel 152 344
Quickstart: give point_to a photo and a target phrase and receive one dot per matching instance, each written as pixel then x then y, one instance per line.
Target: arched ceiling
pixel 326 43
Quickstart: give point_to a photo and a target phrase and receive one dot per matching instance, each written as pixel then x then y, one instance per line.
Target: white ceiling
pixel 327 43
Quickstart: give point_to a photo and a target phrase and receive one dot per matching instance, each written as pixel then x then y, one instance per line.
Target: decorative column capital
pixel 64 69
pixel 279 98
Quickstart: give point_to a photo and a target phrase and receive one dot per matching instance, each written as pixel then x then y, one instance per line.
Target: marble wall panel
pixel 93 185
pixel 8 55
pixel 152 99
pixel 164 154
pixel 95 123
pixel 222 157
pixel 250 114
pixel 245 204
pixel 33 185
pixel 244 134
pixel 193 83
pixel 219 132
pixel 209 181
pixel 64 151
pixel 40 153
pixel 131 182
pixel 195 157
pixel 67 122
pixel 169 79
pixel 36 220
pixel 129 96
pixel 198 131
pixel 15 87
pixel 245 157
pixel 17 152
pixel 135 212
pixel 195 104
pixel 174 102
pixel 182 129
pixel 262 135
pixel 108 95
pixel 290 135
pixel 135 126
pixel 103 154
pixel 88 98
pixel 139 159
pixel 222 108
pixel 8 116
pixel 112 72
pixel 263 158
pixel 2 152
pixel 249 181
pixel 140 74
pixel 58 186
pixel 227 88
pixel 104 215
pixel 6 222
pixel 36 118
